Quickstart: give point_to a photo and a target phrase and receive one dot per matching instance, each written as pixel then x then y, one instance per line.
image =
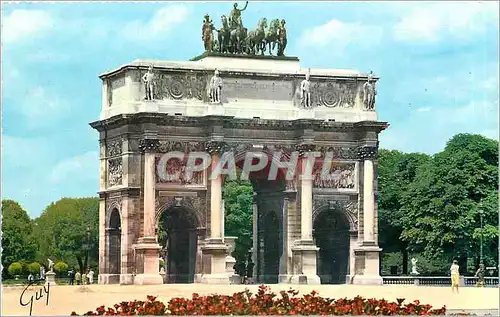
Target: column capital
pixel 367 153
pixel 215 147
pixel 305 148
pixel 149 145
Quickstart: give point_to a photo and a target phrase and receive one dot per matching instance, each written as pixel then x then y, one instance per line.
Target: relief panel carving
pixel 177 175
pixel 115 172
pixel 344 176
pixel 181 86
pixel 243 88
pixel 114 148
pixel 332 94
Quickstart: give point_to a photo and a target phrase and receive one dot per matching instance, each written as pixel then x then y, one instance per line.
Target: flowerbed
pixel 266 302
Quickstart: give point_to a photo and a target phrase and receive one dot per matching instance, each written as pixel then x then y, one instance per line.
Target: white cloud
pixel 431 22
pixel 22 25
pixel 424 109
pixel 41 107
pixel 158 26
pixel 25 153
pixel 77 168
pixel 341 34
pixel 430 130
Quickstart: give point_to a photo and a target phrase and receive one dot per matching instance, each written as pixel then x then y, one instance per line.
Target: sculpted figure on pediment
pixel 305 92
pixel 215 88
pixel 369 93
pixel 149 81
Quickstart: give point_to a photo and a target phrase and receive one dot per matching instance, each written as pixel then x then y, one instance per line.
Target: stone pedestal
pixel 50 277
pixel 149 248
pixel 215 109
pixel 214 252
pixel 230 260
pixel 304 254
pixel 305 114
pixel 367 266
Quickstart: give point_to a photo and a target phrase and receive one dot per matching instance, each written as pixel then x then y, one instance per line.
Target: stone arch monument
pixel 152 107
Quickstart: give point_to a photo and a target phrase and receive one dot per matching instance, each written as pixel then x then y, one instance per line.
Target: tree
pixel 62 231
pixel 15 269
pixel 61 268
pixel 238 200
pixel 396 171
pixel 34 268
pixel 17 241
pixel 440 208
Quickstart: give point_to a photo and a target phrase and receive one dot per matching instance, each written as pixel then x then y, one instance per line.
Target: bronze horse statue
pixel 237 39
pixel 223 36
pixel 272 35
pixel 256 38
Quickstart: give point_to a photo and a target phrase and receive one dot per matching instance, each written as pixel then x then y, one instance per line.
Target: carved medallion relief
pixel 334 94
pixel 178 86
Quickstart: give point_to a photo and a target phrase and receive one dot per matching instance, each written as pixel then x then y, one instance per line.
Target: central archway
pixel 268 199
pixel 178 234
pixel 331 232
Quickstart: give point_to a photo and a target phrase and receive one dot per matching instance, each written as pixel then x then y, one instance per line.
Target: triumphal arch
pixel 242 95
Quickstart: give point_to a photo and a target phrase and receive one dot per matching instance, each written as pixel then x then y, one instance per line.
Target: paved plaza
pixel 65 299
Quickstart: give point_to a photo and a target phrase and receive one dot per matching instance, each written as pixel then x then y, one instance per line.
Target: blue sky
pixel 438 64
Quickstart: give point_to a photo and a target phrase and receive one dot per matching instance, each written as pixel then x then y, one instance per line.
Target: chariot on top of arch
pixel 233 38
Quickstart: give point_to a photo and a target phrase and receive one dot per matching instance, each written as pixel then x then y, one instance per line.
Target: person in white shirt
pixel 455 275
pixel 90 276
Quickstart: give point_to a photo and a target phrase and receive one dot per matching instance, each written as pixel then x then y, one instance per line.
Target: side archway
pixel 113 235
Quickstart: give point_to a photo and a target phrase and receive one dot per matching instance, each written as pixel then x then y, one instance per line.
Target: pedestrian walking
pixel 78 277
pixel 71 275
pixel 455 275
pixel 480 276
pixel 90 276
pixel 249 271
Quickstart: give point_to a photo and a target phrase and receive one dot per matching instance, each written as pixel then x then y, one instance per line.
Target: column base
pixel 149 248
pixel 215 279
pixel 305 279
pixel 126 279
pixel 367 280
pixel 367 264
pixel 108 279
pixel 214 254
pixel 304 253
pixel 148 279
pixel 197 278
pixel 284 278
